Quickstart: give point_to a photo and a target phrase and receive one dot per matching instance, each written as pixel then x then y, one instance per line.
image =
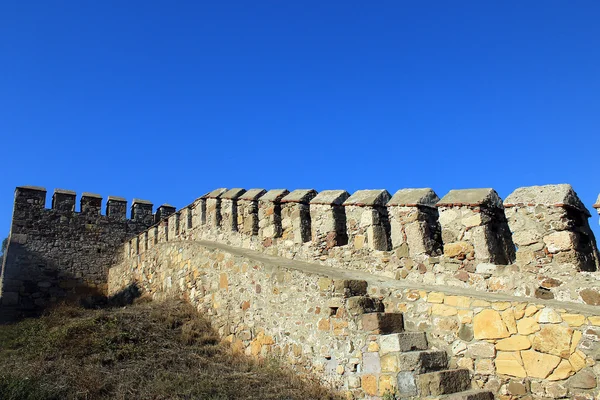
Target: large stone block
pixel 295 216
pixel 213 208
pixel 328 219
pixel 367 223
pixel 474 218
pixel 247 221
pixel 550 225
pixel 414 222
pixel 229 209
pixel 269 215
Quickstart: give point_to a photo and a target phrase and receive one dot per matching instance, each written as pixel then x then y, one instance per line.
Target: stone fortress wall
pixel 57 253
pixel 375 293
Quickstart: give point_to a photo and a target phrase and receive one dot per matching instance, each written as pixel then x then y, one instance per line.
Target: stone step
pixel 422 361
pixel 404 341
pixel 416 361
pixel 357 305
pixel 380 323
pixel 443 382
pixel 470 395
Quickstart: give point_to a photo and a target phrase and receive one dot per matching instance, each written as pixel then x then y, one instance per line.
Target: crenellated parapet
pixel 57 253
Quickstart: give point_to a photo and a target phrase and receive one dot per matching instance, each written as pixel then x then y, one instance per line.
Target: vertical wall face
pixel 474 228
pixel 295 216
pixel 367 220
pixel 414 223
pixel 328 219
pixel 269 216
pixel 116 207
pixel 229 209
pixel 141 211
pixel 550 225
pixel 247 216
pixel 213 208
pixel 91 204
pixel 54 254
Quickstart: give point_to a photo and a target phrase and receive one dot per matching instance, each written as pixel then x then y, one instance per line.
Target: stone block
pixel 474 227
pixel 295 215
pixel 443 382
pixel 383 323
pixel 414 222
pixel 367 217
pixel 403 342
pixel 472 395
pixel 551 220
pixel 63 200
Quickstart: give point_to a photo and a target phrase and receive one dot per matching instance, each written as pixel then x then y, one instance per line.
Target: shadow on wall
pixel 31 284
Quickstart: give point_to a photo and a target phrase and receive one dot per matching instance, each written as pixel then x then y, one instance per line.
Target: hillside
pixel 143 351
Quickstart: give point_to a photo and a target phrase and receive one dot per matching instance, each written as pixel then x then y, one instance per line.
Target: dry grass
pixel 143 351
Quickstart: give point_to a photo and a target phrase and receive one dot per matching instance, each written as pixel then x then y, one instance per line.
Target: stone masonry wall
pixel 468 239
pixel 57 253
pixel 315 318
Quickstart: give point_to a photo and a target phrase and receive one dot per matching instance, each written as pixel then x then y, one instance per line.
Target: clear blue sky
pixel 168 100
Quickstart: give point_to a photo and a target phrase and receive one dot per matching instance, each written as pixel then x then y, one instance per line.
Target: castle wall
pixel 316 318
pixel 55 254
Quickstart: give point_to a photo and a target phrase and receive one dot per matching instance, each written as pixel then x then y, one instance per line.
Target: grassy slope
pixel 143 351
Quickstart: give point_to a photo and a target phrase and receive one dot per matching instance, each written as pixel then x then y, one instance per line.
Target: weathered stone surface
pixel 471 197
pixel 472 395
pixel 443 382
pixel 560 241
pixel 563 371
pixel 513 343
pixel 383 323
pixel 299 196
pixel 527 326
pixel 583 380
pixel 548 316
pixel 368 198
pixel 590 296
pixel 252 194
pixel 482 350
pixel 539 365
pixel 403 342
pixel 553 339
pixel 422 361
pixel 458 249
pixel 330 197
pixel 548 195
pixel 488 324
pixel 510 363
pixel 414 197
pixel 233 194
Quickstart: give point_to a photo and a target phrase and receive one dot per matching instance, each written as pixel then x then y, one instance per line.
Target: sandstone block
pixel 553 339
pixel 458 249
pixel 369 384
pixel 510 363
pixel 539 365
pixel 573 319
pixel 527 326
pixel 488 324
pixel 513 343
pixel 563 371
pixel 560 241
